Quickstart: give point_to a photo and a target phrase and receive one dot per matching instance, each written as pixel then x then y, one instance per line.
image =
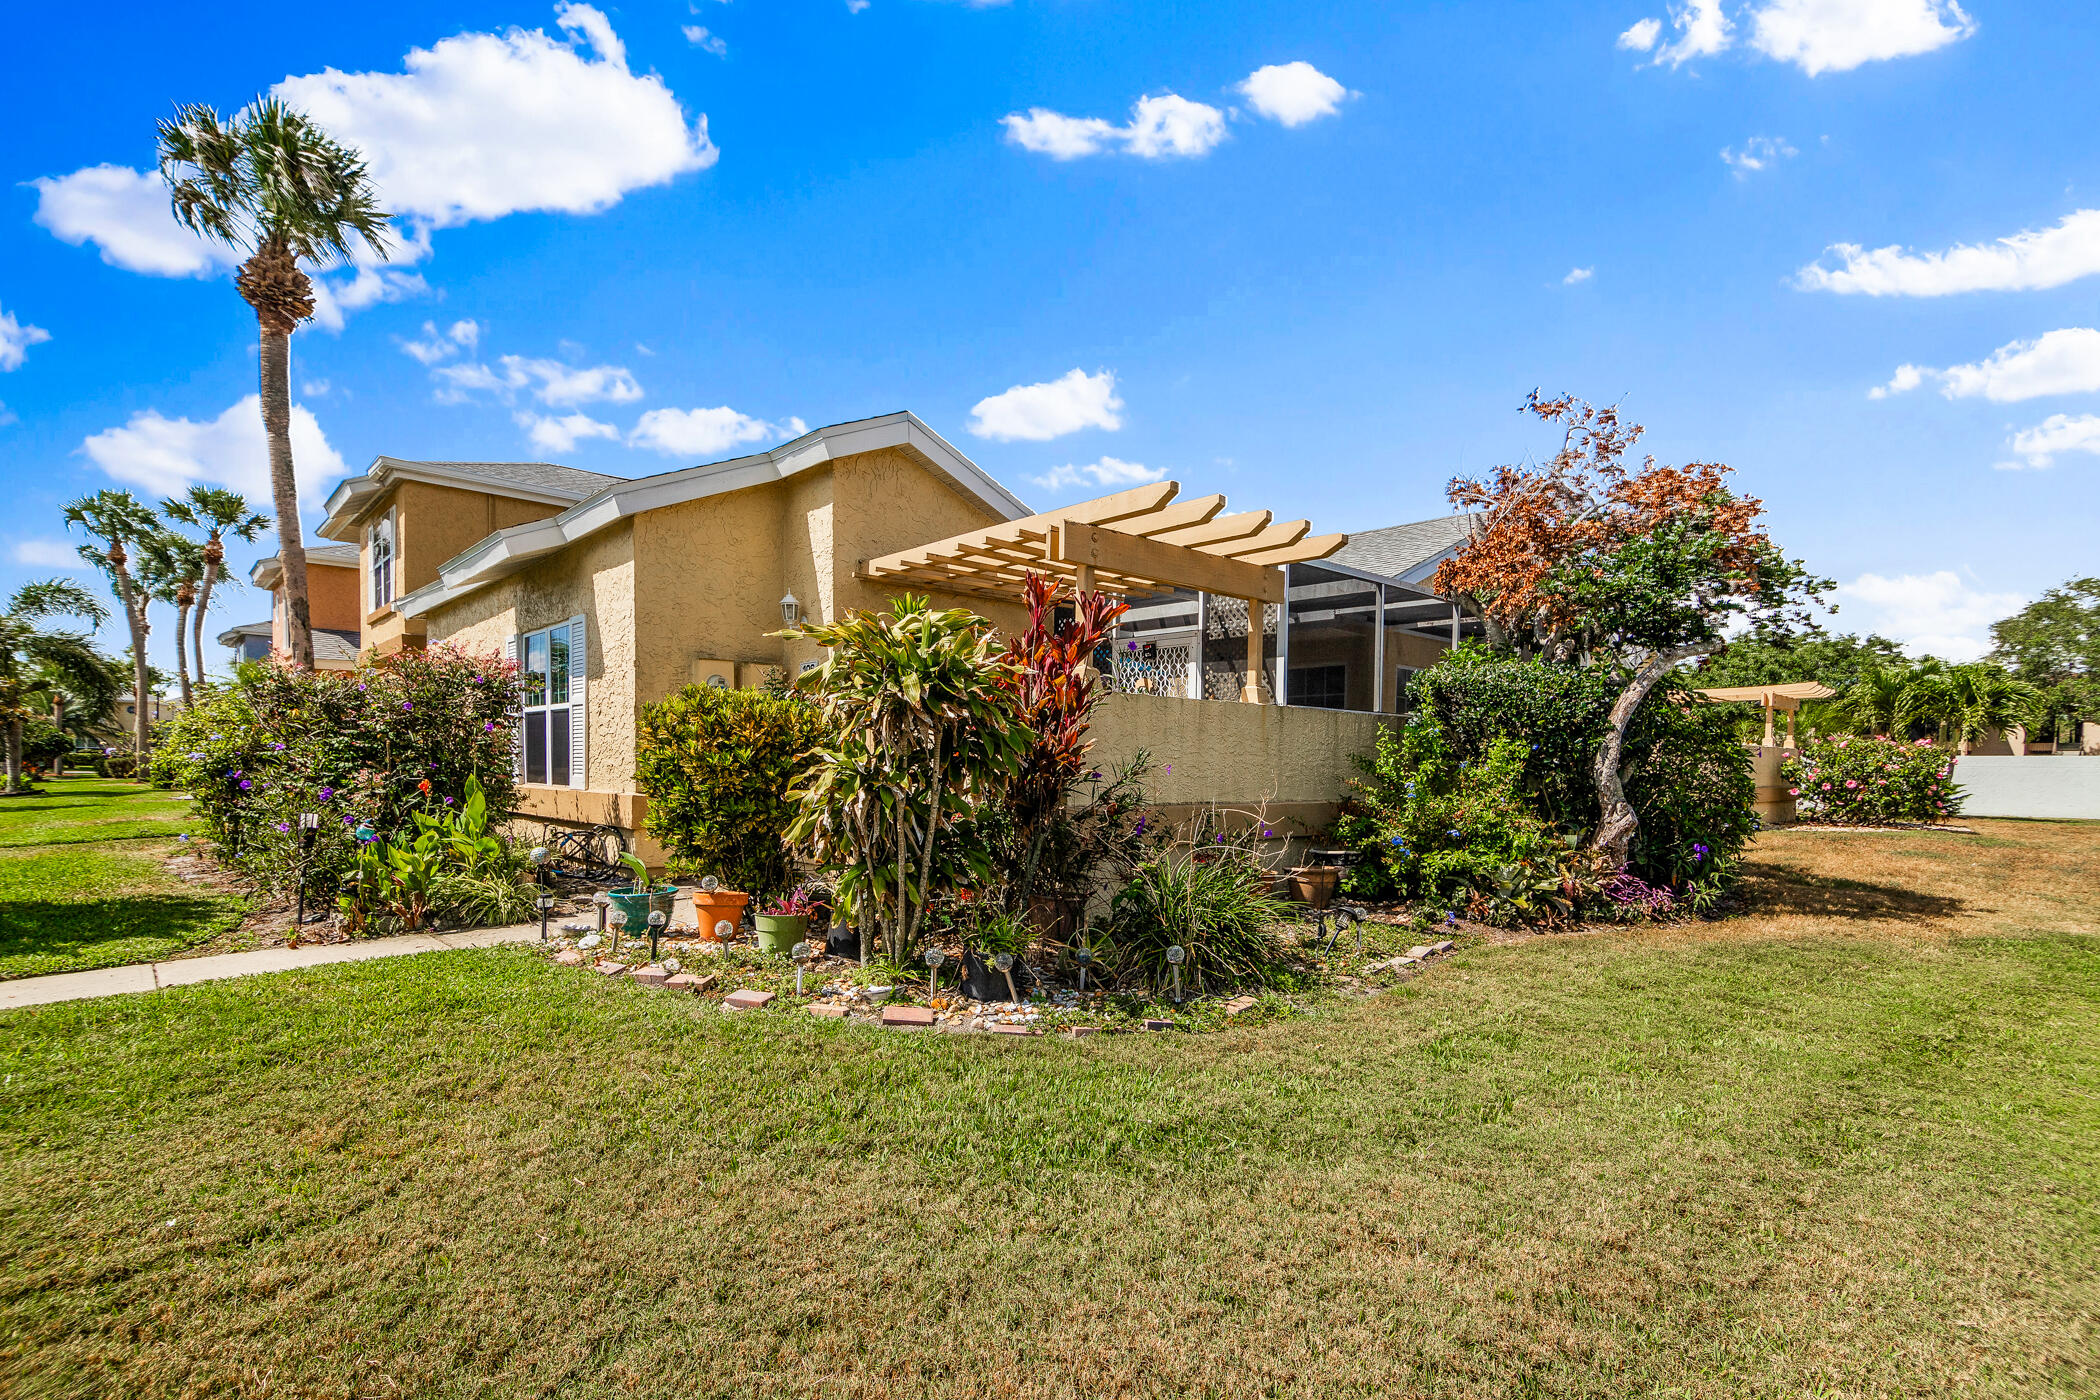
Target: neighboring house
pixel 158 708
pixel 611 594
pixel 404 519
pixel 1409 553
pixel 332 608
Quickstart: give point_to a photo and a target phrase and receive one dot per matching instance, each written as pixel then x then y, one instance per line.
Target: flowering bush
pixel 369 748
pixel 1857 780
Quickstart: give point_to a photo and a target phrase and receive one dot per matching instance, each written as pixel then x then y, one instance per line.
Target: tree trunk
pixel 14 755
pixel 204 587
pixel 1617 823
pixel 141 728
pixel 284 492
pixel 182 658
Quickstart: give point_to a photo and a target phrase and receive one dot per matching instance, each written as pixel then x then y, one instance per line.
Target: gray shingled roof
pixel 333 645
pixel 1397 549
pixel 533 476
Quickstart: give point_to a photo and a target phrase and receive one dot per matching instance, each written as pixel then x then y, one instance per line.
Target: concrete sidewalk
pixel 179 972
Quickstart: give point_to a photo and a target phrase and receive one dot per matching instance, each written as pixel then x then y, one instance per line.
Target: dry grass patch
pixel 1844 1148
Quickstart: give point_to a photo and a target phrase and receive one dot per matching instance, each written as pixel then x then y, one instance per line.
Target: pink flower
pixel 1826 787
pixel 1793 792
pixel 1851 782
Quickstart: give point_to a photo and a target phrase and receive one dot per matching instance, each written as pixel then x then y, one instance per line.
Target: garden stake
pixel 934 958
pixel 656 928
pixel 309 832
pixel 1175 955
pixel 546 903
pixel 1005 963
pixel 604 902
pixel 619 924
pixel 800 953
pixel 1083 956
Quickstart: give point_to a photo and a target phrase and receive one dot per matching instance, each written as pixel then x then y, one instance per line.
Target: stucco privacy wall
pixel 2054 785
pixel 596 578
pixel 1295 760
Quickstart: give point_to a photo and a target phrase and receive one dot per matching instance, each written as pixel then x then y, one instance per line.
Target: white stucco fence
pixel 2059 786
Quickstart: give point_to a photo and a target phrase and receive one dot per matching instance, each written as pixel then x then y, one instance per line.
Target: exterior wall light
pixel 790 609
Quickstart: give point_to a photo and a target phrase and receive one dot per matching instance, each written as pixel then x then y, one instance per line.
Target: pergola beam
pixel 1165 564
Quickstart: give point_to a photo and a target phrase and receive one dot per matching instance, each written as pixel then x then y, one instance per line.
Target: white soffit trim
pixel 506 551
pixel 346 504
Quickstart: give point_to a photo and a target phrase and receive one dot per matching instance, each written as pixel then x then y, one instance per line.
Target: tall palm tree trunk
pixel 284 486
pixel 14 754
pixel 204 585
pixel 182 657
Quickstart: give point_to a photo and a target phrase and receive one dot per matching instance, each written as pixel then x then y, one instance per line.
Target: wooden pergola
pixel 1775 698
pixel 1133 543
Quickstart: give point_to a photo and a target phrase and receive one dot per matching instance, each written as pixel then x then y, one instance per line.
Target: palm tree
pixel 1874 701
pixel 219 513
pixel 170 568
pixel 33 661
pixel 116 519
pixel 275 186
pixel 1965 702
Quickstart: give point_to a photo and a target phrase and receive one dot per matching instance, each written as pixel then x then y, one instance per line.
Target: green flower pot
pixel 779 933
pixel 637 904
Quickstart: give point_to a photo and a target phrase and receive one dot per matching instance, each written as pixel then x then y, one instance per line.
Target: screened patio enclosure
pixel 1344 639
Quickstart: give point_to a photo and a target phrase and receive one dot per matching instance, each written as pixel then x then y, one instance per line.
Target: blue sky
pixel 1312 255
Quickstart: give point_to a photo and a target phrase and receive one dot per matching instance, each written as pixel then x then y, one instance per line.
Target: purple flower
pixel 245 785
pixel 278 747
pixel 408 704
pixel 1266 833
pixel 327 793
pixel 448 802
pixel 284 826
pixel 489 726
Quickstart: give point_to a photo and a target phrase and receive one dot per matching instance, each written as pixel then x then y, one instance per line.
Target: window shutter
pixel 579 659
pixel 517 731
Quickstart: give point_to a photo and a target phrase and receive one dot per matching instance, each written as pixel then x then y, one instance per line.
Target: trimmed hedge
pixel 717 765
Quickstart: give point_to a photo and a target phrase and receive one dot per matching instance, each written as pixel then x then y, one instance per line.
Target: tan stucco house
pixel 611 594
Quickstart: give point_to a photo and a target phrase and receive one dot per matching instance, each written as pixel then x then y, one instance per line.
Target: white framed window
pixel 381 544
pixel 551 693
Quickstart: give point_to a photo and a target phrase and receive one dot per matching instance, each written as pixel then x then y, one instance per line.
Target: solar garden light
pixel 604 903
pixel 1176 956
pixel 546 904
pixel 710 884
pixel 800 953
pixel 619 926
pixel 656 929
pixel 1005 963
pixel 1085 958
pixel 309 832
pixel 934 958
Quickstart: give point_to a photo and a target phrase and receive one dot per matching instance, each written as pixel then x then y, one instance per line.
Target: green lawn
pixel 1845 1144
pixel 82 882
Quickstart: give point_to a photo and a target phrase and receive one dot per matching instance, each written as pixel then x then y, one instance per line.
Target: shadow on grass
pixel 1783 889
pixel 43 936
pixel 115 829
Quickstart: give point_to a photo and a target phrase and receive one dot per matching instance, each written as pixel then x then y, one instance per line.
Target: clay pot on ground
pixel 1314 885
pixel 715 907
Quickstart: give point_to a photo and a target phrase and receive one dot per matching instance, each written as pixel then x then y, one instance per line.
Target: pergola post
pixel 1250 691
pixel 1770 738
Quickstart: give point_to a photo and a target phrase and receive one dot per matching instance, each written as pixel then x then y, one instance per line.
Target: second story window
pixel 382 546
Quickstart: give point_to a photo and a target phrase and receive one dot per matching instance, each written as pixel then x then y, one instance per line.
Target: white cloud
pixel 1109 471
pixel 1040 412
pixel 484 125
pixel 47 554
pixel 1292 93
pixel 2061 362
pixel 2032 260
pixel 551 434
pixel 2059 432
pixel 1835 36
pixel 705 432
pixel 1933 614
pixel 439 345
pixel 1641 35
pixel 314 388
pixel 167 455
pixel 1818 36
pixel 1578 274
pixel 549 381
pixel 477 127
pixel 1159 126
pixel 15 340
pixel 1906 378
pixel 1758 153
pixel 1702 30
pixel 700 38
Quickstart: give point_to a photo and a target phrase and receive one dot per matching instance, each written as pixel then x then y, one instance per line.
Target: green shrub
pixel 1211 897
pixel 1856 780
pixel 376 746
pixel 717 765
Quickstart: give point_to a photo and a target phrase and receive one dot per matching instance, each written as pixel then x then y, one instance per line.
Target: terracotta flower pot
pixel 715 907
pixel 1315 885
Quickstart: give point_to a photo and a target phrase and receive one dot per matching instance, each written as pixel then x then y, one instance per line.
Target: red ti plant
pixel 1054 693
